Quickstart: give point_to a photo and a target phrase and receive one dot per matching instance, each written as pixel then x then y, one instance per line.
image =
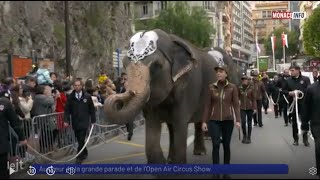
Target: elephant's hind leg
pixel 171 145
pixel 153 148
pixel 199 147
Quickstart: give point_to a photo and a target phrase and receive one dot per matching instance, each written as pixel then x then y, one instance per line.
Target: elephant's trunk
pixel 123 108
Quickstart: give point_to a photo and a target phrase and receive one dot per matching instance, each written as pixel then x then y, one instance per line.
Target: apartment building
pixel 264 25
pixel 242 34
pixel 304 6
pixel 294 24
pixel 145 10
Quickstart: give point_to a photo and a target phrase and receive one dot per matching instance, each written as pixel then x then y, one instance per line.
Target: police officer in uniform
pixel 7 116
pixel 300 83
pixel 282 102
pixel 312 114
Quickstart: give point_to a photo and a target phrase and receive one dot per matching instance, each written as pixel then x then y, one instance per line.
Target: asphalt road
pixel 271 144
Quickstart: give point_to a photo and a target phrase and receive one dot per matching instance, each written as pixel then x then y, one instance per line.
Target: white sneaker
pixel 36 136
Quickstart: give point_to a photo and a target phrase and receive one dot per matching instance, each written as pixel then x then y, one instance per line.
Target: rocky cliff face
pixel 96 30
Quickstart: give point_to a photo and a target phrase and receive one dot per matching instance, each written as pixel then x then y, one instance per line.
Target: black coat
pixel 311 107
pixel 301 83
pixel 8 116
pixel 82 111
pixel 275 91
pixel 283 82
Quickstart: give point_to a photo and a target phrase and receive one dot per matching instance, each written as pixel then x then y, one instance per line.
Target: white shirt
pixel 78 95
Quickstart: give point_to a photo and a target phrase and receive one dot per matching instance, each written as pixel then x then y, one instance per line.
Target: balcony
pixel 236 22
pixel 247 22
pixel 262 33
pixel 260 25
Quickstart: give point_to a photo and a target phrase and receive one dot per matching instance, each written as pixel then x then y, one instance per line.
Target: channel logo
pixel 71 170
pixel 32 171
pixel 50 171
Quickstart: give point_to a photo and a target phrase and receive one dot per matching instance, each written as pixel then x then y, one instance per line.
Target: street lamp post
pixel 67 32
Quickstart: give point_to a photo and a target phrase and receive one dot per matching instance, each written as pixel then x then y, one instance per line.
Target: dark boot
pixel 296 142
pixel 248 140
pixel 244 140
pixel 305 139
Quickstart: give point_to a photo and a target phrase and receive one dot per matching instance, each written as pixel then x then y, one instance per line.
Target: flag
pixel 273 42
pixel 284 40
pixel 257 44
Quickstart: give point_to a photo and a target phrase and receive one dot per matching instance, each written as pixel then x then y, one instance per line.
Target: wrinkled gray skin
pixel 151 88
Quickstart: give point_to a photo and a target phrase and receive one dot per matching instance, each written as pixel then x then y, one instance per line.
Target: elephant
pixel 168 79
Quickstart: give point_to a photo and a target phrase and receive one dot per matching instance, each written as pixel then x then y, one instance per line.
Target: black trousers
pixel 257 118
pixel 246 119
pixel 4 172
pixel 81 137
pixel 284 108
pixel 265 103
pixel 295 130
pixel 217 129
pixel 130 128
pixel 315 130
pixel 276 110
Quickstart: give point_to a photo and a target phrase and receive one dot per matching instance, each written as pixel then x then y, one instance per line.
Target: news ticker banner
pixel 71 169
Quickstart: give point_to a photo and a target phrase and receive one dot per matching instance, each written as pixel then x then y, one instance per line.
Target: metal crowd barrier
pixel 47 135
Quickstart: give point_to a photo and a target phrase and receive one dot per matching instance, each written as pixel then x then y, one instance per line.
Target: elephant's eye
pixel 155 68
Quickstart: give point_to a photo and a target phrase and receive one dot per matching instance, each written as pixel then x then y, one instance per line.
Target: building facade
pixel 294 24
pixel 145 10
pixel 304 6
pixel 242 35
pixel 264 25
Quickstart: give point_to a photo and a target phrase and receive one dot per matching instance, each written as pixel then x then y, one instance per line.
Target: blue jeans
pixel 217 129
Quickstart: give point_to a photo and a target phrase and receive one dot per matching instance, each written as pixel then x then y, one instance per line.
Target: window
pixel 273 28
pixel 264 14
pixel 207 4
pixel 145 9
pixel 127 8
pixel 269 14
pixel 163 4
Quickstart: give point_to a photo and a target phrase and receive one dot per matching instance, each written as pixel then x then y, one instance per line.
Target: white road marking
pixel 190 140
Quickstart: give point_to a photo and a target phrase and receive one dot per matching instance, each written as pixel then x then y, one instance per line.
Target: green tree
pixel 293 38
pixel 191 24
pixel 311 35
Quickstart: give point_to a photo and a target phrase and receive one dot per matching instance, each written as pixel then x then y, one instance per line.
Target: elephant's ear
pixel 184 57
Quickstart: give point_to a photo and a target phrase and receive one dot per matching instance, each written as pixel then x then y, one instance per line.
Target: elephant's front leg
pixel 180 142
pixel 153 148
pixel 199 147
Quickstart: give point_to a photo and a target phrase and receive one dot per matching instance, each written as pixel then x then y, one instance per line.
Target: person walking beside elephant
pixel 260 93
pixel 80 113
pixel 218 117
pixel 248 106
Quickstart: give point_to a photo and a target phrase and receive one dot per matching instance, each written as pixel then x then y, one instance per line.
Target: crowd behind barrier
pixel 50 138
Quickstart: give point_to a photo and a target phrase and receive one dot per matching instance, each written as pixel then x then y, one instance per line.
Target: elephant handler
pixel 218 117
pixel 248 106
pixel 311 114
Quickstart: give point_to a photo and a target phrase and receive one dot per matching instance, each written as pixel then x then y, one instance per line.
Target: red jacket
pixel 61 102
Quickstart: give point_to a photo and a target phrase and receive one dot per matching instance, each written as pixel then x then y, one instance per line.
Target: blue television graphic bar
pixel 71 169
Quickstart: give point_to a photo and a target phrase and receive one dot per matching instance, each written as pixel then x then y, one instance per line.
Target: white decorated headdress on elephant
pixel 142 44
